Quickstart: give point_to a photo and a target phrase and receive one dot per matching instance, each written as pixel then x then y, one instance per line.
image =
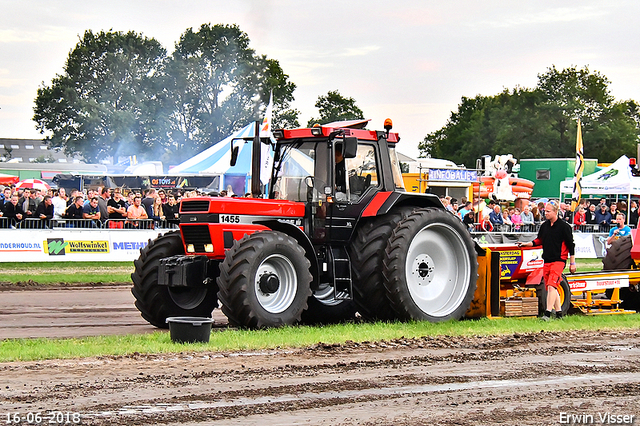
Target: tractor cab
pixel 336 172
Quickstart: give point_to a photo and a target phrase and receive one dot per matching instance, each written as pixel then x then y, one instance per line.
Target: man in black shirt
pixel 117 210
pixel 148 200
pixel 171 210
pixel 591 215
pixel 556 238
pixel 74 211
pixel 13 211
pixel 44 212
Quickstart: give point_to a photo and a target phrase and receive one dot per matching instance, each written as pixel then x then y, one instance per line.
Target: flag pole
pixel 577 175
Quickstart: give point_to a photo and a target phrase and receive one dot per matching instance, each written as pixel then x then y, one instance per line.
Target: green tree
pixel 120 95
pixel 335 107
pixel 277 81
pixel 540 122
pixel 107 101
pixel 218 84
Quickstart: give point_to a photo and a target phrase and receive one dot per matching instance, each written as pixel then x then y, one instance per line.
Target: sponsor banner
pixel 588 246
pixel 126 245
pixel 73 245
pixel 591 284
pixel 20 245
pixel 453 175
pixel 512 261
pixel 509 261
pixel 531 259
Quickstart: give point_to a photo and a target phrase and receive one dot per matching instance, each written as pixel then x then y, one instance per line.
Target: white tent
pixel 216 161
pixel 615 179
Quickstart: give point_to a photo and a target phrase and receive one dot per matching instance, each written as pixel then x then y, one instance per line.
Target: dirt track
pixel 522 379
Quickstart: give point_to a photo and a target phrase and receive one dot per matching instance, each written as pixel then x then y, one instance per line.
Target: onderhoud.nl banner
pixel 23 245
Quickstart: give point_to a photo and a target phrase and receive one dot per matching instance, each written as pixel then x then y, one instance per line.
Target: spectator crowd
pixel 159 208
pixel 97 208
pixel 602 216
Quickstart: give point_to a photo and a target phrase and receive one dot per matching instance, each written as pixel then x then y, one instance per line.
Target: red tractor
pixel 337 234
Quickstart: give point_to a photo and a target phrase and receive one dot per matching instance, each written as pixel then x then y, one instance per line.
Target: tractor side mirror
pixel 234 154
pixel 350 147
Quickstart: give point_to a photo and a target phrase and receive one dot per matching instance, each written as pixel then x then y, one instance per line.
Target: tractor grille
pixel 194 206
pixel 198 235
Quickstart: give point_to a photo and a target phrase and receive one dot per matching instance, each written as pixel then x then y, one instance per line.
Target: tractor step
pixel 342 282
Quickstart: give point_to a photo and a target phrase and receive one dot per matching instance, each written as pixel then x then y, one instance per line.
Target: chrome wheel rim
pixel 283 297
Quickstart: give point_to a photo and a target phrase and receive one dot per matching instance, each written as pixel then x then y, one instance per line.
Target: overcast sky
pixel 411 61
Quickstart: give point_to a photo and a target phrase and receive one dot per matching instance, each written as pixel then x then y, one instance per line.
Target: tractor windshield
pixel 294 170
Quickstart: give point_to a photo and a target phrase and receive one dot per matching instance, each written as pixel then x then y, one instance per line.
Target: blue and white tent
pixel 216 161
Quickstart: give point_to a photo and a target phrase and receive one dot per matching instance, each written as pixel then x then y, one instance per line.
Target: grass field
pixel 66 272
pixel 232 340
pixel 296 337
pixel 118 272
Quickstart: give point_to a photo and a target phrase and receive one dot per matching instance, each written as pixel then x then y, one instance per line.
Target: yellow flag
pixel 577 176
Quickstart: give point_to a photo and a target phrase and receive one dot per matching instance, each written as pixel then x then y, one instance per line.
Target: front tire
pixel 155 302
pixel 264 281
pixel 430 267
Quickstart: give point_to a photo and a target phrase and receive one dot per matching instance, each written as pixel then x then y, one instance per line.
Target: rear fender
pixel 302 238
pixel 400 199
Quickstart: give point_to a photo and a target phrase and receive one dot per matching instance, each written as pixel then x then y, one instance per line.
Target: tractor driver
pixel 556 238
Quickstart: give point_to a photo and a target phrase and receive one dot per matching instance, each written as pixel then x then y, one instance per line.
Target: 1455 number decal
pixel 229 218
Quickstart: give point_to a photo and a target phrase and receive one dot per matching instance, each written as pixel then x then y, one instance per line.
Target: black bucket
pixel 189 329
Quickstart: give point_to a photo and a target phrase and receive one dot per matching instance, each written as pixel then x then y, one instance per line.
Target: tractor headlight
pixel 191 248
pixel 208 248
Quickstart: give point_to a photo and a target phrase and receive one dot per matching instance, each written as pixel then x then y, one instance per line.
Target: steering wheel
pixel 308 181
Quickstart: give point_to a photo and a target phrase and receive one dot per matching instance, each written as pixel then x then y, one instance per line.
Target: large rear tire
pixel 155 302
pixel 430 267
pixel 619 258
pixel 618 255
pixel 264 281
pixel 366 252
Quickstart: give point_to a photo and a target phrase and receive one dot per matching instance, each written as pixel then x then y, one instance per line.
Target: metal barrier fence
pixel 480 227
pixel 87 224
pixel 30 223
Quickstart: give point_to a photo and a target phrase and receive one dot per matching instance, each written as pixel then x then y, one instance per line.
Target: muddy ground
pixel 528 379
